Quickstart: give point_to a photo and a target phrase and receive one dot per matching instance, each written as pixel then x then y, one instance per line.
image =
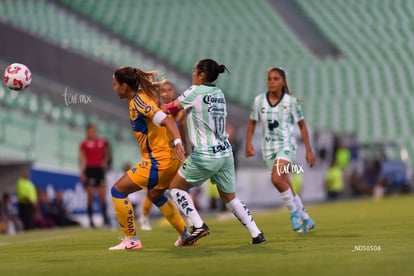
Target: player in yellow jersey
pixel 161 154
pixel 168 93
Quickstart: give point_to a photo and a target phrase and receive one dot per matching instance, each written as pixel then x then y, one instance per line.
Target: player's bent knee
pixel 160 201
pixel 117 194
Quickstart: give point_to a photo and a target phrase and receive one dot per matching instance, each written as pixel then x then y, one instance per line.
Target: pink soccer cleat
pixel 127 244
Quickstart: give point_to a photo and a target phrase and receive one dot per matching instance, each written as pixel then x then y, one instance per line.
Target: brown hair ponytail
pixel 137 79
pixel 283 75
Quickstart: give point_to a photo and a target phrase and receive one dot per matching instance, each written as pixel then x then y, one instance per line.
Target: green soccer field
pixel 361 237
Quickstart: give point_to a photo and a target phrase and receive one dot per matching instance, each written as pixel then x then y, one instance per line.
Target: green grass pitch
pixel 360 237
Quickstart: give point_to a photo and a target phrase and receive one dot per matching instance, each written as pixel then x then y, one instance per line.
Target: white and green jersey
pixel 277 123
pixel 206 120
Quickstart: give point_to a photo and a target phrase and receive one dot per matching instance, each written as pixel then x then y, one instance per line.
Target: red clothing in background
pixel 94 151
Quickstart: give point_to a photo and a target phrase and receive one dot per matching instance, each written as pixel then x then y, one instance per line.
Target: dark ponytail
pixel 222 68
pixel 211 69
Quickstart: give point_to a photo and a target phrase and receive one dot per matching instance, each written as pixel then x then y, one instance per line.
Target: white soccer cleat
pixel 144 223
pixel 127 244
pixel 180 240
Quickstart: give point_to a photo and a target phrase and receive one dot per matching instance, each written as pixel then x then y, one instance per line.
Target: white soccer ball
pixel 17 76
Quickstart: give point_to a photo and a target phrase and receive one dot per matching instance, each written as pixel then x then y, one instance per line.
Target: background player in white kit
pixel 278 111
pixel 212 155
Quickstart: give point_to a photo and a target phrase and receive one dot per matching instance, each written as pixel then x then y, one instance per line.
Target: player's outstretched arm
pixel 175 134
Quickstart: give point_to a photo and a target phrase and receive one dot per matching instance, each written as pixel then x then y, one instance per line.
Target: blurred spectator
pixel 334 181
pixel 58 212
pixel 27 200
pixel 3 219
pixel 297 180
pixel 370 177
pixel 378 190
pixel 168 93
pixel 10 215
pixel 342 156
pixel 342 160
pixel 42 218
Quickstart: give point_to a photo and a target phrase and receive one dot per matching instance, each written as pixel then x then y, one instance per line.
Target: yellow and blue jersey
pixel 154 141
pixel 157 166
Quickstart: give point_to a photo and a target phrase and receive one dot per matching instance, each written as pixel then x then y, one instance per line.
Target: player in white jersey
pixel 278 112
pixel 212 153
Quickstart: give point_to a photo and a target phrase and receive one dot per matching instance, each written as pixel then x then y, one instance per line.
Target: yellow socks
pixel 146 207
pixel 125 214
pixel 170 212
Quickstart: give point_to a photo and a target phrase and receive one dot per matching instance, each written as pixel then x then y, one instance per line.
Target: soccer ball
pixel 17 76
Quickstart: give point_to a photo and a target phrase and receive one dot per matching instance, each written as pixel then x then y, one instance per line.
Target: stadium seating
pixel 45 19
pixel 36 128
pixel 377 51
pixel 245 35
pixel 368 90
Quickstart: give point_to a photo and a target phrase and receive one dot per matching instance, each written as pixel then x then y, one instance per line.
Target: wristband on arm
pixel 177 141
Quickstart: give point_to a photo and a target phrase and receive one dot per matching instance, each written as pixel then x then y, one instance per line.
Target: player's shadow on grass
pixel 211 248
pixel 331 235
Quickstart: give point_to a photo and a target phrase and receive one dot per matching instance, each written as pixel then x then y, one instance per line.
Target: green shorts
pixel 196 170
pixel 287 155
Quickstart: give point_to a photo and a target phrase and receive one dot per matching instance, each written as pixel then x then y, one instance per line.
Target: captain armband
pixel 172 108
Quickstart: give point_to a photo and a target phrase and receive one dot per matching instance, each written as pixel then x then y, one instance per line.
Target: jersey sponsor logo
pixel 270 139
pixel 221 147
pixel 216 109
pixel 213 104
pixel 143 164
pixel 272 124
pixel 209 99
pixel 148 109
